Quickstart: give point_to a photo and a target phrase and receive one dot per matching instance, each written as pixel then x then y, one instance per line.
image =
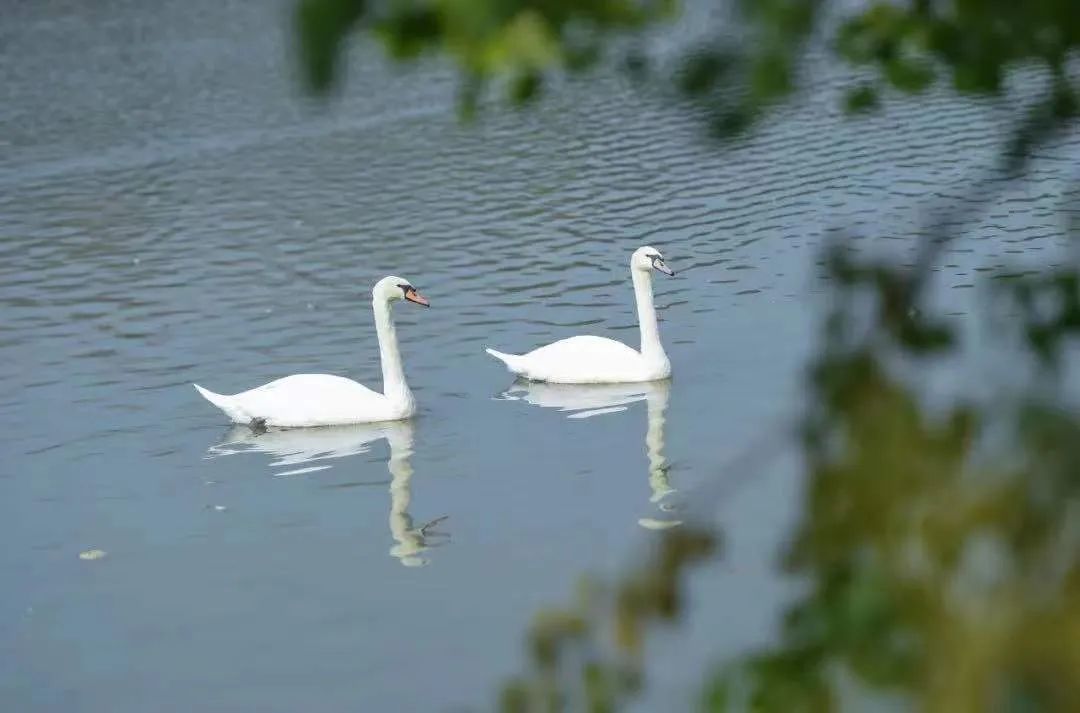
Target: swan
pixel 305 400
pixel 597 360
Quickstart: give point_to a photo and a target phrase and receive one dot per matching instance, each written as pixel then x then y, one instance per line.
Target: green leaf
pixel 525 86
pixel 861 99
pixel 321 27
pixel 701 70
pixel 909 74
pixel 770 76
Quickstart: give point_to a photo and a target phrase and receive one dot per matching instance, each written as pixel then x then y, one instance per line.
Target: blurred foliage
pixel 940 548
pixel 943 555
pixel 509 39
pixel 588 656
pixel 749 64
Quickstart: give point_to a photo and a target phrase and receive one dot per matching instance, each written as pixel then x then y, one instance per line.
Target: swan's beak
pixel 414 296
pixel 659 265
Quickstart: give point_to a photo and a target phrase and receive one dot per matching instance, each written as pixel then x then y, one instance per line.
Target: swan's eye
pixel 406 287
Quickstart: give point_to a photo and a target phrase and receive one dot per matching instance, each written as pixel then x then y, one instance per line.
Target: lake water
pixel 172 211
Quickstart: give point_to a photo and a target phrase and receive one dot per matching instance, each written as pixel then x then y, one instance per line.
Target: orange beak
pixel 414 296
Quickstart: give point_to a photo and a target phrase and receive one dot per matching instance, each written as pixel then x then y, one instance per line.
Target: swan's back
pixel 583 360
pixel 307 400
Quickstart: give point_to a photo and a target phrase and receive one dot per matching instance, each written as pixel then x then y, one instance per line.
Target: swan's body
pixel 310 400
pixel 584 360
pixel 305 400
pixel 598 360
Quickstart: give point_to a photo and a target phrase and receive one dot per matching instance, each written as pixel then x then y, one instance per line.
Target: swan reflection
pixel 305 450
pixel 587 400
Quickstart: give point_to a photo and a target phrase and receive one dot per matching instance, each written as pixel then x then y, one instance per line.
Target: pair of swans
pixel 304 400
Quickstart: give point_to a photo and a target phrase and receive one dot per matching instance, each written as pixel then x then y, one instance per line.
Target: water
pixel 172 211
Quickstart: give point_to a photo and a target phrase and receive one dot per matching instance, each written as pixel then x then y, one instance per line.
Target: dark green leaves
pixel 525 86
pixel 1049 307
pixel 411 32
pixel 972 42
pixel 897 496
pixel 701 70
pixel 861 98
pixel 322 27
pixel 512 43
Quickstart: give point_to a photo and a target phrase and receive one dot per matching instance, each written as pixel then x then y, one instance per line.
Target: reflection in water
pixel 301 450
pixel 586 400
pixel 410 541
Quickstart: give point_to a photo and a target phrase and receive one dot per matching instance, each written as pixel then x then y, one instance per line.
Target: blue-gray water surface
pixel 173 210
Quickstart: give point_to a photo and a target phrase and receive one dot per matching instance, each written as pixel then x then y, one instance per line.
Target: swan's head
pixel 648 258
pixel 391 289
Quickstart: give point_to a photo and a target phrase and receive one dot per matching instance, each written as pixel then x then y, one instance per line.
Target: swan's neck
pixel 646 312
pixel 394 386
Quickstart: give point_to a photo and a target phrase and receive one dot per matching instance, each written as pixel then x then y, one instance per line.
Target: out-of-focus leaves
pixel 702 70
pixel 924 554
pixel 771 77
pixel 411 32
pixel 862 98
pixel 573 663
pixel 525 87
pixel 909 74
pixel 739 82
pixel 731 122
pixel 929 543
pixel 977 77
pixel 582 54
pixel 874 35
pixel 322 26
pixel 1049 309
pixel 974 42
pixel 1045 119
pixel 487 39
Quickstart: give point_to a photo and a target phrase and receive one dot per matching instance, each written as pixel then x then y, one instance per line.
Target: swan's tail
pixel 225 403
pixel 511 360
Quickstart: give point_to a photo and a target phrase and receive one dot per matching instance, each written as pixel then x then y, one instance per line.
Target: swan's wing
pixel 584 359
pixel 587 347
pixel 313 400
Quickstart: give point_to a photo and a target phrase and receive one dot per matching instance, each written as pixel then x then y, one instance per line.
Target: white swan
pixel 597 360
pixel 586 401
pixel 325 400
